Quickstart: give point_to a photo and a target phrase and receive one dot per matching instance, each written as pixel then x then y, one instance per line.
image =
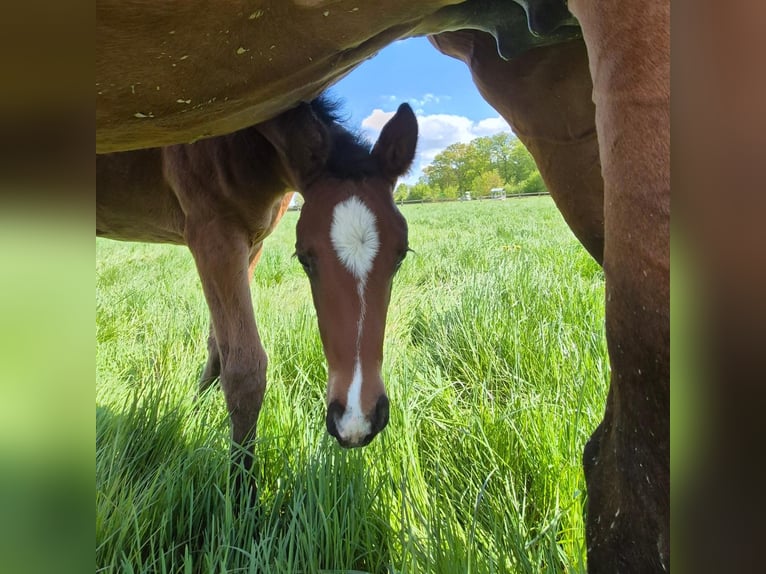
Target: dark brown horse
pixel 222 196
pixel 594 112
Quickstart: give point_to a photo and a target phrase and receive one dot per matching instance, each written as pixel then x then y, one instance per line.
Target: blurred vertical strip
pixel 47 118
pixel 719 196
pixel 47 249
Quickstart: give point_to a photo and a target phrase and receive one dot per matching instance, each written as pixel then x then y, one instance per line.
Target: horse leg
pixel 545 96
pixel 212 369
pixel 223 255
pixel 627 461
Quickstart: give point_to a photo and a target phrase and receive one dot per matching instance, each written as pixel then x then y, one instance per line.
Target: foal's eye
pixel 306 262
pixel 400 260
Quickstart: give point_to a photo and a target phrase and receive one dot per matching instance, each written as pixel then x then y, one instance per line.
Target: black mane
pixel 350 151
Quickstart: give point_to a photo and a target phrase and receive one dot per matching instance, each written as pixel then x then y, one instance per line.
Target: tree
pixel 447 168
pixel 402 192
pixel 520 164
pixel 459 166
pixel 450 192
pixel 532 184
pixel 485 182
pixel 419 191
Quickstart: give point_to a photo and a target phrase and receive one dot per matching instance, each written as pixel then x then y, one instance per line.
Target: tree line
pixel 485 163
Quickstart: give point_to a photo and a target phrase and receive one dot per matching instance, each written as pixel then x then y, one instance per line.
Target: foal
pixel 222 196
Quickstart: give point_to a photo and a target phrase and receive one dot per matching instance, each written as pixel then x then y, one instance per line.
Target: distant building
pixel 497 193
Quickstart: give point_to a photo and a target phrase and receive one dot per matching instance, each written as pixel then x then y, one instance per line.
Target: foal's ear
pixel 395 148
pixel 302 142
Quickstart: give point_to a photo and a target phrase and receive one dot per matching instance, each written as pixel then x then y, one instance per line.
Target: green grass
pixel 495 364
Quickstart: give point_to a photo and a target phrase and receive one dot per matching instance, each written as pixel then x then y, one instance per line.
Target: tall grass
pixel 495 364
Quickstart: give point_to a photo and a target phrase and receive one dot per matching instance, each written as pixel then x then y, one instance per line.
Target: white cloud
pixel 491 126
pixel 418 104
pixel 425 100
pixel 373 123
pixel 436 132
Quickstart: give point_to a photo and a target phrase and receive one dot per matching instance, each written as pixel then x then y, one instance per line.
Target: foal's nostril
pixel 380 418
pixel 334 411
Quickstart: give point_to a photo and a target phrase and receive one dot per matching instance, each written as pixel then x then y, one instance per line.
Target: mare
pixel 584 83
pixel 222 196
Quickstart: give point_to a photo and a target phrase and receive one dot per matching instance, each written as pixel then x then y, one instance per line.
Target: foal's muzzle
pixel 377 421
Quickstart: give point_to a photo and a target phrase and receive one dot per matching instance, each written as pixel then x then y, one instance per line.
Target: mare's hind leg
pixel 212 369
pixel 545 95
pixel 222 254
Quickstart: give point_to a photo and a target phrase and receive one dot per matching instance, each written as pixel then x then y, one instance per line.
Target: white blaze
pixel 354 236
pixel 353 426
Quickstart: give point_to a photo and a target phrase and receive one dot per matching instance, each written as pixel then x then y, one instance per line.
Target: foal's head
pixel 351 239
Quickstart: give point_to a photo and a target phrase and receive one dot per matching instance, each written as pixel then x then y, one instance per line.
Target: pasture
pixel 495 365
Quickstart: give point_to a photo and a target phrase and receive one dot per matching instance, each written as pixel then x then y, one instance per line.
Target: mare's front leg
pixel 223 256
pixel 212 370
pixel 622 218
pixel 627 461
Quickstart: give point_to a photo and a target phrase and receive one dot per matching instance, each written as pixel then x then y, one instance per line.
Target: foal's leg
pixel 223 255
pixel 627 461
pixel 212 368
pixel 545 95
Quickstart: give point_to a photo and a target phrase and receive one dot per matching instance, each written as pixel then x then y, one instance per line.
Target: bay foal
pixel 222 196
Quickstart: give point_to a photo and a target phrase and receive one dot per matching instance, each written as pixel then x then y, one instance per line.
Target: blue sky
pixel 439 89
